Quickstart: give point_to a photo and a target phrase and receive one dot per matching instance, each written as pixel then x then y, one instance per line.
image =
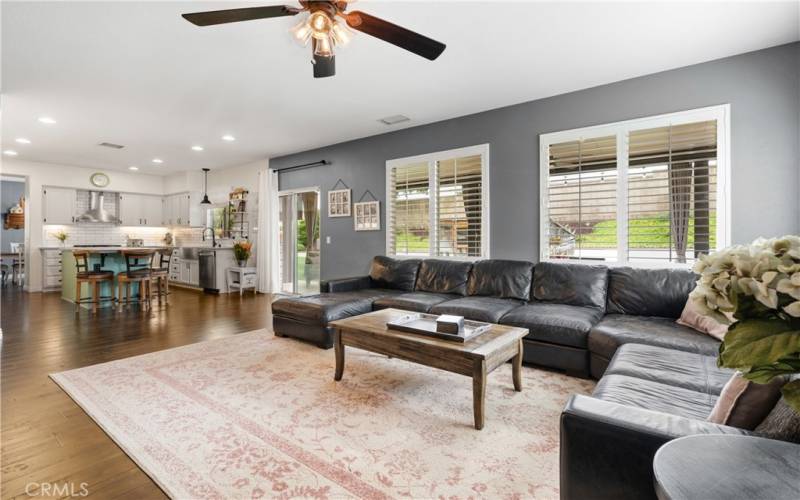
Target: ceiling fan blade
pixel 394 34
pixel 236 15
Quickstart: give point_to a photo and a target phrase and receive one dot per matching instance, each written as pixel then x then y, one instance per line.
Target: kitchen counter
pixel 110 258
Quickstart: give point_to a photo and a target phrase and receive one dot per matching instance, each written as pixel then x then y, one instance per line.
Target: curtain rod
pixel 304 165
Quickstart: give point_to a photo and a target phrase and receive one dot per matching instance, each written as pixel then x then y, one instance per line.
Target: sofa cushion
pixel 668 366
pixel 555 323
pixel 615 330
pixel 397 274
pixel 649 292
pixel 507 279
pixel 654 396
pixel 572 284
pixel 326 307
pixel 414 301
pixel 443 276
pixel 488 309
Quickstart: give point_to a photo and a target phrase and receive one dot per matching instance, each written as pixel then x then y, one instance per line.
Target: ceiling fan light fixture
pixel 341 35
pixel 320 24
pixel 323 47
pixel 301 32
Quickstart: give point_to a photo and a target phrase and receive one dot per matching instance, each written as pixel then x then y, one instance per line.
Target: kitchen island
pixel 105 258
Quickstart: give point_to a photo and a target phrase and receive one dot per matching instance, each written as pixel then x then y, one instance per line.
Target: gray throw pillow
pixel 783 423
pixel 745 404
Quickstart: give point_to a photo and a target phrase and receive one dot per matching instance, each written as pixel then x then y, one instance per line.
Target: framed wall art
pixel 367 216
pixel 339 203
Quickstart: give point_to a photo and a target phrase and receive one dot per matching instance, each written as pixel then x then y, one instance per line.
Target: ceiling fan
pixel 324 30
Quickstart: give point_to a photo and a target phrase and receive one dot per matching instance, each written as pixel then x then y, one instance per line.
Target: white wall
pixel 47 174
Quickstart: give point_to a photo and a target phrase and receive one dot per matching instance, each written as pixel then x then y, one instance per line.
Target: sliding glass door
pixel 299 241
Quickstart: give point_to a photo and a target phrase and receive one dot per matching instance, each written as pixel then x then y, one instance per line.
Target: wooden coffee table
pixel 475 358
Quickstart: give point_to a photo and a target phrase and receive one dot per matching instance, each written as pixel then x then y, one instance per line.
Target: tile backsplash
pixel 103 234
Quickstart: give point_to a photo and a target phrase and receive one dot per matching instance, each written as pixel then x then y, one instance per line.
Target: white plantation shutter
pixel 582 199
pixel 437 204
pixel 409 219
pixel 459 207
pixel 646 190
pixel 672 192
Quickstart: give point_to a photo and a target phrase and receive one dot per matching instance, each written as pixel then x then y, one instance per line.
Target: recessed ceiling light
pixel 10 152
pixel 47 120
pixel 158 160
pixel 23 140
pixel 133 168
pixel 228 137
pixel 197 148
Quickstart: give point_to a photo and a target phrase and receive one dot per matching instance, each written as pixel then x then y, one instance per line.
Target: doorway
pixel 14 229
pixel 299 226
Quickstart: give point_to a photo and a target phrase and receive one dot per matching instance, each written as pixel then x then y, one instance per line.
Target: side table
pixel 727 466
pixel 242 278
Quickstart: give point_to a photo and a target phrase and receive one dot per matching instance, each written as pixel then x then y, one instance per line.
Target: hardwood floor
pixel 47 439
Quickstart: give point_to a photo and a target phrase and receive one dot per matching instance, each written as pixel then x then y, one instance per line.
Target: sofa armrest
pixel 346 284
pixel 607 449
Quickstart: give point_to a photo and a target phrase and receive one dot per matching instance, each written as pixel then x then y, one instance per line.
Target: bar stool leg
pixel 95 296
pixel 77 296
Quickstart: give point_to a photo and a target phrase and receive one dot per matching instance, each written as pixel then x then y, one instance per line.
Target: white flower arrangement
pixel 756 290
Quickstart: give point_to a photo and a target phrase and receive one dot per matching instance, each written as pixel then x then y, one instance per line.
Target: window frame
pixel 431 159
pixel 621 130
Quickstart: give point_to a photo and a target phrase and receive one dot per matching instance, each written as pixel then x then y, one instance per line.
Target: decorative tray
pixel 425 324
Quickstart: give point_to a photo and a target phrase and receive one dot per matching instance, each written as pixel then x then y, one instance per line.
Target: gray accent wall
pixel 762 87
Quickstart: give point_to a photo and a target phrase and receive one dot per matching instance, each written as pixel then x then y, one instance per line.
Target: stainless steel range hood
pixel 96 212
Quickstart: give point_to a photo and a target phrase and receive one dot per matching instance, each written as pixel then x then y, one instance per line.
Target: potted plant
pixel 241 250
pixel 61 236
pixel 755 289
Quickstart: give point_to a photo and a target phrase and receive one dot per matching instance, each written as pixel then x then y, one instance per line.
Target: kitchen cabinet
pixel 59 205
pixel 183 209
pixel 140 210
pixel 51 270
pixel 190 272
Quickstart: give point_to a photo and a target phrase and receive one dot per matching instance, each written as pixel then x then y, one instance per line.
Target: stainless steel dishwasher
pixel 208 271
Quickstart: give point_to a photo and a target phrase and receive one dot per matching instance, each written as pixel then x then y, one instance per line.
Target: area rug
pixel 254 416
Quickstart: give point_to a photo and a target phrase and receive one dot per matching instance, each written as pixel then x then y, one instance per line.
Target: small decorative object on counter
pixel 241 250
pixel 134 242
pixel 168 239
pixel 447 323
pixel 61 236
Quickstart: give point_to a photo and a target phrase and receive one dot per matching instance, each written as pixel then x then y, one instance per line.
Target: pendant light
pixel 205 201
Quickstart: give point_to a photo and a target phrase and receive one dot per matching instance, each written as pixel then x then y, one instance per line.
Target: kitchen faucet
pixel 213 236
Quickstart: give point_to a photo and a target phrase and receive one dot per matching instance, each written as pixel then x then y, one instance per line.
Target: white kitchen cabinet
pixel 183 209
pixel 59 205
pixel 51 270
pixel 151 210
pixel 190 272
pixel 139 210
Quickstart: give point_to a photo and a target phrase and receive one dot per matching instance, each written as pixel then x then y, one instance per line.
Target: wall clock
pixel 100 180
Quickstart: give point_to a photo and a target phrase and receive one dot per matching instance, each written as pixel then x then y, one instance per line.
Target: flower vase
pixel 243 263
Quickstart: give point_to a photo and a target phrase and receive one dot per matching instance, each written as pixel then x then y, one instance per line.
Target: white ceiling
pixel 136 73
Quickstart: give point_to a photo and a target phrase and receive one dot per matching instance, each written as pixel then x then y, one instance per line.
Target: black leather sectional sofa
pixel 578 315
pixel 658 379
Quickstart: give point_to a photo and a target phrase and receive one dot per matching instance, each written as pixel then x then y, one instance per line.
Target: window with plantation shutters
pixel 672 192
pixel 437 204
pixel 408 218
pixel 651 190
pixel 582 193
